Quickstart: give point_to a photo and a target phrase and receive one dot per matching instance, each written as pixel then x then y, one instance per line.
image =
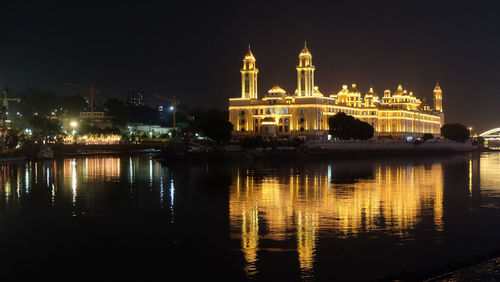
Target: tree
pixel 346 127
pixel 118 109
pixel 213 124
pixel 455 132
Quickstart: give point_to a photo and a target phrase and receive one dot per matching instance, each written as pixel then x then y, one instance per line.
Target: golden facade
pixel 306 112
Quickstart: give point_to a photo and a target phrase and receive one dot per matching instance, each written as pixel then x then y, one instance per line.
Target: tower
pixel 305 73
pixel 438 98
pixel 249 76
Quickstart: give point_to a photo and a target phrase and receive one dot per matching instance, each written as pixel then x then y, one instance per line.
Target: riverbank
pixel 324 150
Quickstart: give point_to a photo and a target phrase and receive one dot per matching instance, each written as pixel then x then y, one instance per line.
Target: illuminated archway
pixel 492 133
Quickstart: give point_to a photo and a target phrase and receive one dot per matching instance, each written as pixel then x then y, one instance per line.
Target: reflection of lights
pixel 131 172
pixel 150 173
pixel 162 191
pixel 48 177
pixel 396 195
pixel 73 180
pixel 470 175
pixel 172 193
pixel 27 178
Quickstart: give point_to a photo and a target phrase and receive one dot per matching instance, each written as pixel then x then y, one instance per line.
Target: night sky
pixel 193 51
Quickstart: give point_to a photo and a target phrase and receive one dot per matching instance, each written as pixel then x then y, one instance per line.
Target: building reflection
pixel 332 200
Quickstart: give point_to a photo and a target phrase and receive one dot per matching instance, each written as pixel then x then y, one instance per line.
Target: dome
pixel 276 91
pixel 371 92
pixel 353 89
pixel 316 91
pixel 399 91
pixel 344 90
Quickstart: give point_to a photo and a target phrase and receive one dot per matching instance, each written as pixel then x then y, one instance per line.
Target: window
pixel 281 120
pixel 286 120
pixel 280 128
pixel 242 129
pixel 301 129
pixel 286 128
pixel 256 121
pixel 301 120
pixel 301 111
pixel 256 128
pixel 242 113
pixel 261 111
pixel 242 121
pixel 255 112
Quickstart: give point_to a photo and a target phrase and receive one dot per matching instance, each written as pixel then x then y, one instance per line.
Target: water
pixel 132 217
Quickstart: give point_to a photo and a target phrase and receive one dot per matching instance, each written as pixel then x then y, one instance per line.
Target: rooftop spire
pixel 249 54
pixel 437 87
pixel 305 51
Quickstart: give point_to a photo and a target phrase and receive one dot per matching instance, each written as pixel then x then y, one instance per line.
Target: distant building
pixel 96 119
pixel 305 112
pixel 151 130
pixel 136 97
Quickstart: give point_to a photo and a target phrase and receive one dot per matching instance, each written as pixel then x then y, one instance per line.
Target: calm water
pixel 132 217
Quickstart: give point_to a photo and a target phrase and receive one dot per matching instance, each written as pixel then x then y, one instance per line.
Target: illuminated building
pixel 306 112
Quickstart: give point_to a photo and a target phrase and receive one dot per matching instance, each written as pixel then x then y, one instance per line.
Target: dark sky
pixel 194 50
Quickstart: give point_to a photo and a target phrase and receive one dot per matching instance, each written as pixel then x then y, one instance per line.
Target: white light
pixel 171 108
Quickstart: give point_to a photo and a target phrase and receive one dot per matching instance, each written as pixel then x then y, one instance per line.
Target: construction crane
pixel 5 106
pixel 174 103
pixel 91 89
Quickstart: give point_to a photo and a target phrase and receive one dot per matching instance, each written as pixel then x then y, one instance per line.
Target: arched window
pixel 286 120
pixel 301 120
pixel 242 113
pixel 281 120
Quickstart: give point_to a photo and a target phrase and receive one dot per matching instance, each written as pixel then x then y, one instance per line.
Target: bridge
pixel 492 134
pixel 491 137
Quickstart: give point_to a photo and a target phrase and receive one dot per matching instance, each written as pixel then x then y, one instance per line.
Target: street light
pixel 470 130
pixel 73 124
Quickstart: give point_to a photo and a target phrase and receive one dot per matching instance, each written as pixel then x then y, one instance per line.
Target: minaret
pixel 438 98
pixel 305 73
pixel 249 76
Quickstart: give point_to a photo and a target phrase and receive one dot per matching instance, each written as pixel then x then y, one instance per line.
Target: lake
pixel 132 217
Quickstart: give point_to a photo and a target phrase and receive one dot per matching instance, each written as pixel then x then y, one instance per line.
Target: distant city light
pixel 171 108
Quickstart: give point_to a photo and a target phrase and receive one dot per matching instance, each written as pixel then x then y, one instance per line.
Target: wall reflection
pixel 337 199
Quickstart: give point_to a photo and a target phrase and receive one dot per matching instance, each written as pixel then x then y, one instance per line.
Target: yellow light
pixel 73 124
